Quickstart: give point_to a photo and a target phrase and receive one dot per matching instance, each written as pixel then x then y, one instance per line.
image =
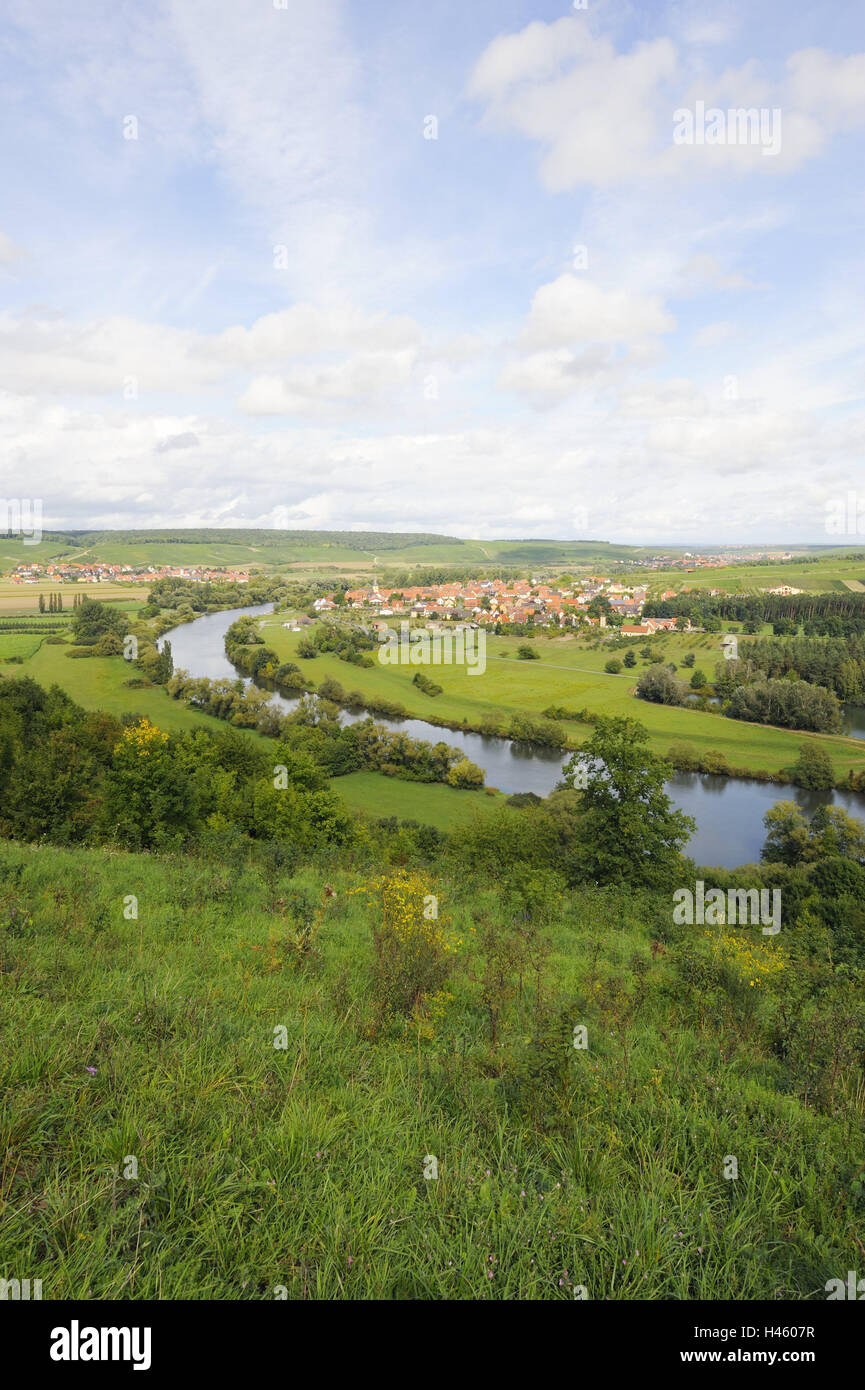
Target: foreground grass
pixel 302 1169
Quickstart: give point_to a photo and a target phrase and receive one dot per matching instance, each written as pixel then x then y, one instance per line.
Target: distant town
pixel 98 572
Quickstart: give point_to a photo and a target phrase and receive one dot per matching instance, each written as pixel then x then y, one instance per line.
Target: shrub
pixel 613 666
pixel 685 757
pixel 424 683
pixel 414 955
pixel 715 764
pixel 465 774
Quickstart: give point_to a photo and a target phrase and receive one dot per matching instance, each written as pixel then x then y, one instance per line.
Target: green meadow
pixel 101 682
pixel 193 1108
pixel 569 673
pixel 431 803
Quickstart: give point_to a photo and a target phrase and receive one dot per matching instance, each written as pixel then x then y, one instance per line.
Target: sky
pixel 430 265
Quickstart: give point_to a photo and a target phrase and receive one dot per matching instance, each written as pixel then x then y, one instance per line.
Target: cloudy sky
pixel 434 265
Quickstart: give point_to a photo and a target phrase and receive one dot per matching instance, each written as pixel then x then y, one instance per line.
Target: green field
pixel 824 575
pixel 158 1145
pixel 569 673
pixel 359 551
pixel 430 803
pixel 99 682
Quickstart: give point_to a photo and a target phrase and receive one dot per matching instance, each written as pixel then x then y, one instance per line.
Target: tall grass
pixel 263 1170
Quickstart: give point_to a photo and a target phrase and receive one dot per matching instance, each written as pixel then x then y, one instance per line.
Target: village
pixel 100 572
pixel 497 603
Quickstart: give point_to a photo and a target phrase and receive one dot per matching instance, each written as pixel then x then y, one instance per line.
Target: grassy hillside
pixel 158 1145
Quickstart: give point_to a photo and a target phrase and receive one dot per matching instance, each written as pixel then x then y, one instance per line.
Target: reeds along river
pixel 729 812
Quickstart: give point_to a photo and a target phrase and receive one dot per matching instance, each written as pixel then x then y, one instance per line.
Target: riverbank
pixel 729 812
pixel 570 673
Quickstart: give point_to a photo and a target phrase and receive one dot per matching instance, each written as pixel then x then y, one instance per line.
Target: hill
pixel 205 1101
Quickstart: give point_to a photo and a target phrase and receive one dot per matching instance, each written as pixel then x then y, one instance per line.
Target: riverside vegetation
pixel 255 1047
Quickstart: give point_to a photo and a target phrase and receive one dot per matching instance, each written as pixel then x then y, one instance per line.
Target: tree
pixel 527 653
pixel 689 659
pixel 613 666
pixel 41 603
pixel 630 658
pixel 787 839
pixel 629 830
pixel 150 798
pixel 835 833
pixel 813 768
pixel 91 619
pixel 698 679
pixel 659 685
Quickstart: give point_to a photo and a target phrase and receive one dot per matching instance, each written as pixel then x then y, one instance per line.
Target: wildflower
pixel 92 1070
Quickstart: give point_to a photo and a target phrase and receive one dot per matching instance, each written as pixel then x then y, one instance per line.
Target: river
pixel 729 811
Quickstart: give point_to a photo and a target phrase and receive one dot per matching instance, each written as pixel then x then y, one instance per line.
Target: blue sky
pixel 281 304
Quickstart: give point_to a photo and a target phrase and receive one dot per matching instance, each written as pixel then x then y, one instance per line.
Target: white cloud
pixel 591 109
pixel 600 117
pixel 359 380
pixel 711 334
pixel 573 310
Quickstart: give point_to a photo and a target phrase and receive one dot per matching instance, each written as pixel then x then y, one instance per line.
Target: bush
pixel 424 683
pixel 527 653
pixel 331 690
pixel 414 956
pixel 465 774
pixel 715 764
pixel 685 757
pixel 613 666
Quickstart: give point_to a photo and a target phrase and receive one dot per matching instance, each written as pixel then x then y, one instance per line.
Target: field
pixel 431 803
pixel 354 552
pixel 569 673
pixel 158 1144
pixel 831 573
pixel 22 600
pixel 99 682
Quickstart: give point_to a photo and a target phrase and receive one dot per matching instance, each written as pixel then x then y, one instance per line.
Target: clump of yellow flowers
pixel 143 738
pixel 414 949
pixel 756 963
